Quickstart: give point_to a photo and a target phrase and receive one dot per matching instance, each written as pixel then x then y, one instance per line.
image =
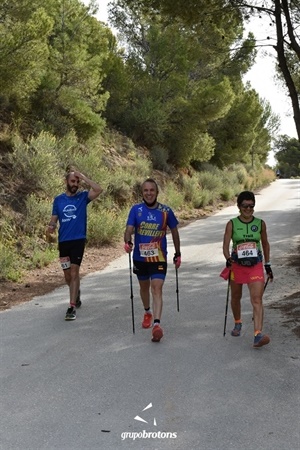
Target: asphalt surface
pixel 86 384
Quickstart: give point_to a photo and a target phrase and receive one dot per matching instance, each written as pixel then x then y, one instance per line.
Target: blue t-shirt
pixel 150 243
pixel 72 215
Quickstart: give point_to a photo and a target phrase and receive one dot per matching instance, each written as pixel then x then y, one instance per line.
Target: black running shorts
pixel 146 270
pixel 72 249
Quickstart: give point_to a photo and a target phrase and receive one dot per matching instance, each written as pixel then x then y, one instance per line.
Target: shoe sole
pixel 264 341
pixel 70 318
pixel 157 335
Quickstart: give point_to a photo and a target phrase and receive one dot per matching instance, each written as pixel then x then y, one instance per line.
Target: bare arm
pixel 52 224
pixel 95 188
pixel 265 242
pixel 176 239
pixel 227 240
pixel 128 233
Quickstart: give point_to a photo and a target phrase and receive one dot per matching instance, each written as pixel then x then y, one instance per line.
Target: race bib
pixel 65 262
pixel 148 250
pixel 246 249
pixel 247 253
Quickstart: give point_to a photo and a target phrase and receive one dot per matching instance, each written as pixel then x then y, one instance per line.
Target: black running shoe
pixel 71 313
pixel 78 301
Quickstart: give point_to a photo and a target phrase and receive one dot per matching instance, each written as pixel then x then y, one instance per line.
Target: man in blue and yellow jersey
pixel 250 247
pixel 149 221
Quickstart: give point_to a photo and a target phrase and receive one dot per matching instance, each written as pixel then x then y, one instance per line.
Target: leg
pixel 67 275
pixel 144 292
pixel 236 295
pixel 156 291
pixel 145 296
pixel 73 281
pixel 256 292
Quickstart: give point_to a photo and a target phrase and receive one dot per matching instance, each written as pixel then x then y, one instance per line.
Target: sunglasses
pixel 247 206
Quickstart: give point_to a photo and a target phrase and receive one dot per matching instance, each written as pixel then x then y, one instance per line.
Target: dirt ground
pixel 42 281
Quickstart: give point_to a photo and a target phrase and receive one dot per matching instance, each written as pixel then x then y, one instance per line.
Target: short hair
pixel 245 195
pixel 150 180
pixel 69 171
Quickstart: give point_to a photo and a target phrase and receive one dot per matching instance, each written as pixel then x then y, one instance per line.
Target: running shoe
pixel 78 301
pixel 71 313
pixel 157 333
pixel 237 330
pixel 260 340
pixel 147 321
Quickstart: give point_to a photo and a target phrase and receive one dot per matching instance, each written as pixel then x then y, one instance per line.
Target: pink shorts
pixel 245 275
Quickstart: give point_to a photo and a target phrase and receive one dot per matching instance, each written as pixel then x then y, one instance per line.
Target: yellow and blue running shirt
pixel 150 243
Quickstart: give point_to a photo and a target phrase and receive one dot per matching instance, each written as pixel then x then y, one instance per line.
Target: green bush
pixel 9 264
pixel 206 198
pixel 36 161
pixel 172 197
pixel 38 212
pixel 227 194
pixel 159 157
pixel 105 226
pixel 210 181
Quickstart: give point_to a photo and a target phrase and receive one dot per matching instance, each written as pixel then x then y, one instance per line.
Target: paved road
pixel 81 385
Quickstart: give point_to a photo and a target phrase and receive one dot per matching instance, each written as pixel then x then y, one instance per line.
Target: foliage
pixel 69 95
pixel 241 131
pixel 24 30
pixel 172 88
pixel 184 192
pixel 288 156
pixel 9 264
pixel 180 81
pixel 282 16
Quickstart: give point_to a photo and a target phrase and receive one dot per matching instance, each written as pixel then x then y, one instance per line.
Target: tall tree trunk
pixel 284 67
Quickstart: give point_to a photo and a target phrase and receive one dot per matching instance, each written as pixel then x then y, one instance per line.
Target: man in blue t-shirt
pixel 149 222
pixel 70 210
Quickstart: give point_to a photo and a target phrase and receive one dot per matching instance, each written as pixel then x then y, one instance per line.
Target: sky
pixel 261 76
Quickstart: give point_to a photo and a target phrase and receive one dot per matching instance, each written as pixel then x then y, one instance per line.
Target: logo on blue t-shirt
pixel 151 217
pixel 69 211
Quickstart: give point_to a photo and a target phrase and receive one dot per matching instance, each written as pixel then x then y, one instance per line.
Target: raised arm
pixel 95 188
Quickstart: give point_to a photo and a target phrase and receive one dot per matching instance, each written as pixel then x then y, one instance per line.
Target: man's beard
pixel 150 204
pixel 72 189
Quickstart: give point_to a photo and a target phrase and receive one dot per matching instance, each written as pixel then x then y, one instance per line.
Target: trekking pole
pixel 131 294
pixel 177 290
pixel 266 283
pixel 226 306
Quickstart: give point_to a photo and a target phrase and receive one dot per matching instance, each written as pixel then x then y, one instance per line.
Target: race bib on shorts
pixel 247 253
pixel 148 250
pixel 65 262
